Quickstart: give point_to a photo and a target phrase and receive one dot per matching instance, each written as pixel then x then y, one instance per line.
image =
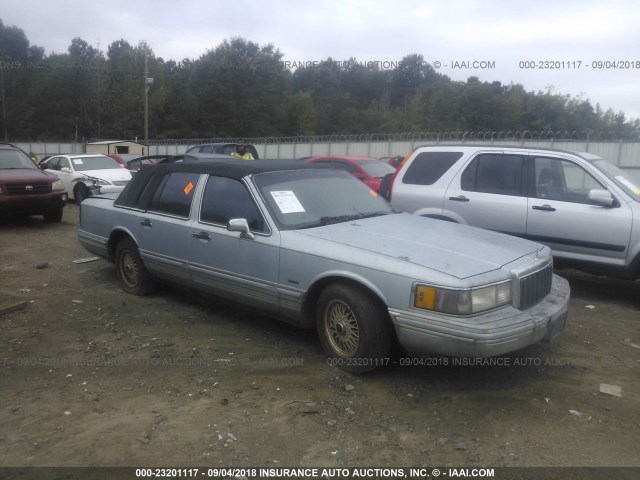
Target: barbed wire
pixel 445 136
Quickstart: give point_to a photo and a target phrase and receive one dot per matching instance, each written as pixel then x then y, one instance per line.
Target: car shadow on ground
pixel 595 288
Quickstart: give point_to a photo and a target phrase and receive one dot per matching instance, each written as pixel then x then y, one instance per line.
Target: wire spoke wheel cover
pixel 132 274
pixel 354 327
pixel 129 269
pixel 341 327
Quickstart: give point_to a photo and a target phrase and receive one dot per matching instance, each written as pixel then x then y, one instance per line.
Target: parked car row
pixel 312 245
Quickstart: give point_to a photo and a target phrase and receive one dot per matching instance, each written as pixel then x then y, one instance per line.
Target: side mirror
pixel 240 225
pixel 602 198
pixel 65 170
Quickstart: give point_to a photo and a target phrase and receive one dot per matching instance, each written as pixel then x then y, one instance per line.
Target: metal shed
pixel 106 147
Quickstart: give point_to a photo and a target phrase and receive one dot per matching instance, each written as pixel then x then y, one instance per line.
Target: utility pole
pixel 147 83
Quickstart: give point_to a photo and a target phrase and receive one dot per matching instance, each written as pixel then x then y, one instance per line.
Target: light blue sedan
pixel 317 248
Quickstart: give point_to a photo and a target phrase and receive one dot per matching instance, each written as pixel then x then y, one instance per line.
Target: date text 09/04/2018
pixel 579 65
pixel 354 472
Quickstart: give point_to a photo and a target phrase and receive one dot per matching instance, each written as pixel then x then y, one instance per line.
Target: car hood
pixel 457 250
pixel 110 174
pixel 26 175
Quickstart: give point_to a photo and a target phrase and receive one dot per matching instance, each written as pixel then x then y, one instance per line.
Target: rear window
pixel 174 195
pixel 428 167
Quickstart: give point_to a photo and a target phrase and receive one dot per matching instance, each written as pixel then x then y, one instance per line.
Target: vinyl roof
pixel 230 168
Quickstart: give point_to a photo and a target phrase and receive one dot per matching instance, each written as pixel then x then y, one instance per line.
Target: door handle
pixel 146 223
pixel 459 198
pixel 201 235
pixel 544 208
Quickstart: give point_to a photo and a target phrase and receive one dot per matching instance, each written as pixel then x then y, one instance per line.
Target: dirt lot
pixel 92 376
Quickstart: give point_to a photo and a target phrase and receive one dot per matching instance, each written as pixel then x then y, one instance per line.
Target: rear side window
pixel 175 194
pixel 494 173
pixel 428 167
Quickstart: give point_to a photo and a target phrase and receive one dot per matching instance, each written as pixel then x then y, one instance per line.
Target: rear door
pixel 490 192
pixel 163 231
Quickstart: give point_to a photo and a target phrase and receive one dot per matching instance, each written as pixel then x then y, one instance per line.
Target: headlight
pixel 57 185
pixel 98 181
pixel 462 302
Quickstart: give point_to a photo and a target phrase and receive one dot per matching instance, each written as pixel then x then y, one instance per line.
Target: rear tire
pixel 354 328
pixel 132 275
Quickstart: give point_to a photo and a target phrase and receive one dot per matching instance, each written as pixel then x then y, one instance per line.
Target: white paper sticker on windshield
pixel 628 184
pixel 77 161
pixel 287 202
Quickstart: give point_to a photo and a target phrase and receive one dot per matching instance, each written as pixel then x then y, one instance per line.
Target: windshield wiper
pixel 348 218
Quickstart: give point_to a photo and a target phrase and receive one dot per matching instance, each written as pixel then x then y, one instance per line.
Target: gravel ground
pixel 92 376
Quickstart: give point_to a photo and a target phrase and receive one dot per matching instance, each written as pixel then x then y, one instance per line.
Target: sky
pixel 586 49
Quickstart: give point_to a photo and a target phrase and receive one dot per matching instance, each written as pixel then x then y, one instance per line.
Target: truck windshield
pixel 10 159
pixel 315 197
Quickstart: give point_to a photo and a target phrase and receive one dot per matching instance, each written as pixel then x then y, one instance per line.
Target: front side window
pixel 224 199
pixel 494 173
pixel 54 163
pixel 428 167
pixel 175 194
pixel 562 180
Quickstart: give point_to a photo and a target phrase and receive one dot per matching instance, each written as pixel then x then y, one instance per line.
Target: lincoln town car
pixel 317 248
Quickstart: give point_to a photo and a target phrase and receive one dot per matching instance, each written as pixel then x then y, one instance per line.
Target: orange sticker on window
pixel 188 188
pixel 372 193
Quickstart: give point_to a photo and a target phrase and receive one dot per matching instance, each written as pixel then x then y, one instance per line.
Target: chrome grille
pixel 532 286
pixel 28 188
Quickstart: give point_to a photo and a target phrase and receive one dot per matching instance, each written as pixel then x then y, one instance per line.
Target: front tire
pixel 354 328
pixel 132 275
pixel 80 192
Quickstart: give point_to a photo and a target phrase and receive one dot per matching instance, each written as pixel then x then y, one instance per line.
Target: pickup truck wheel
pixel 80 192
pixel 132 274
pixel 354 329
pixel 53 216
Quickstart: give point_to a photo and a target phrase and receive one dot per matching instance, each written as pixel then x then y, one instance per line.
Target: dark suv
pixel 223 149
pixel 25 189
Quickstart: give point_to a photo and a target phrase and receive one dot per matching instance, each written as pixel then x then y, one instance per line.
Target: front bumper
pixel 487 334
pixel 32 204
pixel 103 189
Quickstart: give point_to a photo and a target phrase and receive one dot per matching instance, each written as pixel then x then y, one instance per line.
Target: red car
pixel 369 170
pixel 25 189
pixel 123 158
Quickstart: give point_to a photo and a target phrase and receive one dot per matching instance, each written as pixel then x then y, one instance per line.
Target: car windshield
pixel 315 197
pixel 83 164
pixel 619 177
pixel 10 159
pixel 376 168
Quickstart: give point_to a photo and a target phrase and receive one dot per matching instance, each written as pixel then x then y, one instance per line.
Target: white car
pixel 82 173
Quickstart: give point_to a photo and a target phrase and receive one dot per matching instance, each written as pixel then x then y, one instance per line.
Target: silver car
pixel 582 206
pixel 317 248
